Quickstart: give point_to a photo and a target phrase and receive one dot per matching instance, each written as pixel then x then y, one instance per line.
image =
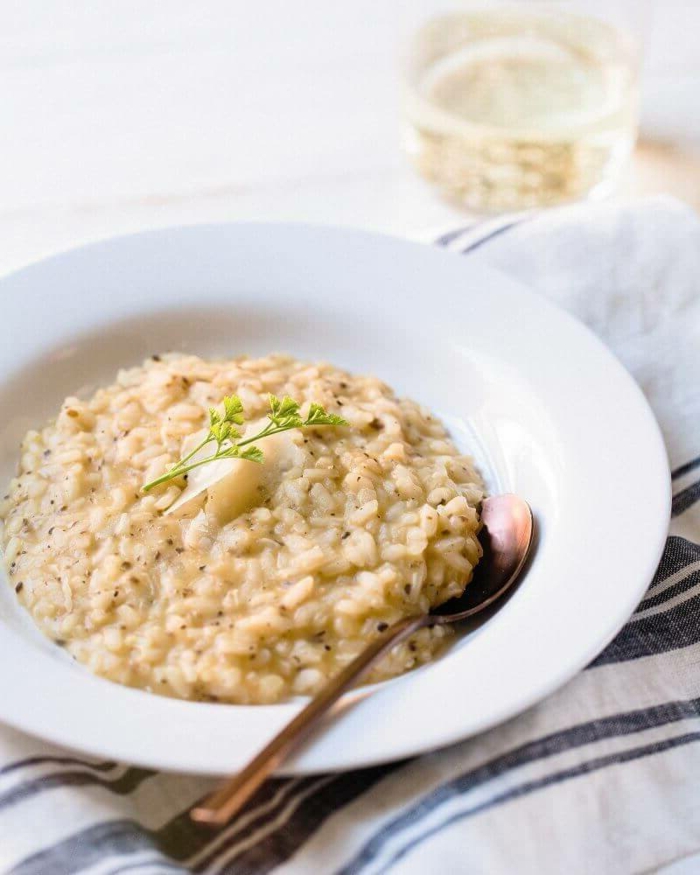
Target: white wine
pixel 505 109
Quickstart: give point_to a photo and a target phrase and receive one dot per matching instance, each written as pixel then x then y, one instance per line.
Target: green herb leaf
pixel 233 409
pixel 252 454
pixel 318 416
pixel 284 413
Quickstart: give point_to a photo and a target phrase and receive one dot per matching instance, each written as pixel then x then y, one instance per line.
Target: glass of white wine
pixel 514 106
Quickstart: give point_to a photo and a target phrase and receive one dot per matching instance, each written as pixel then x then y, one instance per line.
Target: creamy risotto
pixel 267 582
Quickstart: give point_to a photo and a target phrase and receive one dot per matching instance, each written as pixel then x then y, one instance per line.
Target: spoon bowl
pixel 506 538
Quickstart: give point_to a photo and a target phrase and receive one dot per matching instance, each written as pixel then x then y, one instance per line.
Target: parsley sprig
pixel 224 433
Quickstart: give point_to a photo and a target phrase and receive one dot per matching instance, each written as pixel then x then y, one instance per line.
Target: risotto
pixel 253 592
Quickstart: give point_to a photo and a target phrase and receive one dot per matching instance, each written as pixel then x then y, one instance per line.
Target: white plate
pixel 548 411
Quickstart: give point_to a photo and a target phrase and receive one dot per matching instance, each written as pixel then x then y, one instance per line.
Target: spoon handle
pixel 230 798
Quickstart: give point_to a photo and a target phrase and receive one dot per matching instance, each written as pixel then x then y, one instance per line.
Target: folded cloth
pixel 602 777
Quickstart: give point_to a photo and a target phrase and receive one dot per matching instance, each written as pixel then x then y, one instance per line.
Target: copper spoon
pixel 506 537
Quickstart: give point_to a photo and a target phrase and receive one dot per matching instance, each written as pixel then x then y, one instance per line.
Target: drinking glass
pixel 510 106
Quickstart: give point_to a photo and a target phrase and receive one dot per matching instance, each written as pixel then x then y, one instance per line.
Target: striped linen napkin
pixel 602 777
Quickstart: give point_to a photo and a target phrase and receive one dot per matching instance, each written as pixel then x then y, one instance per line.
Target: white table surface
pixel 123 114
